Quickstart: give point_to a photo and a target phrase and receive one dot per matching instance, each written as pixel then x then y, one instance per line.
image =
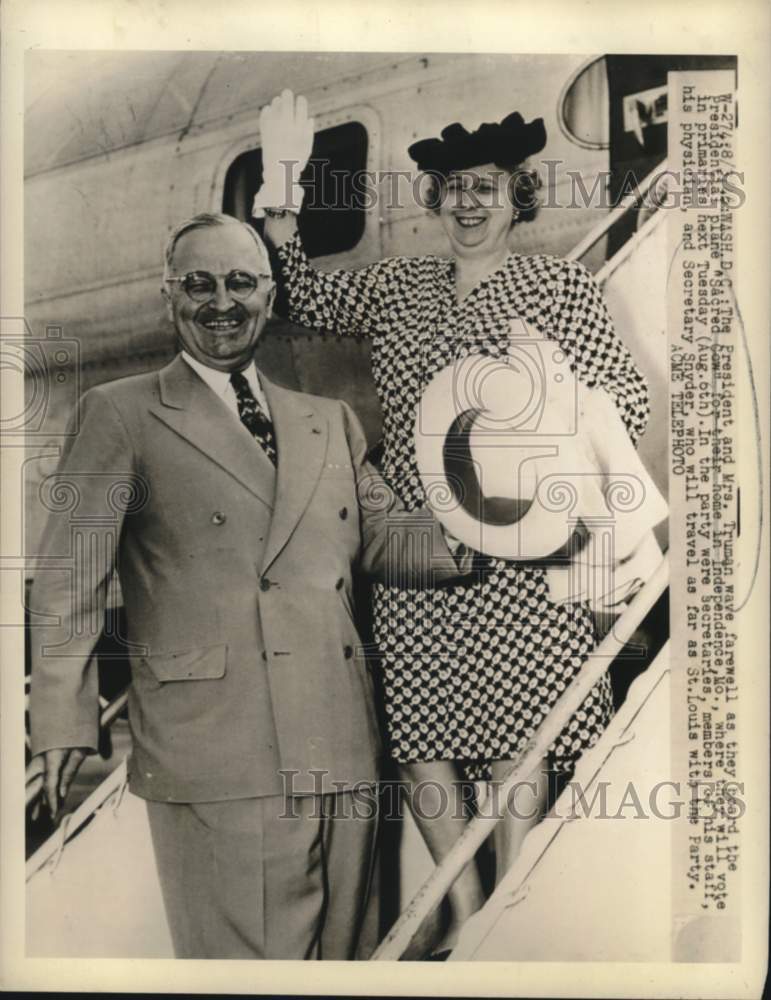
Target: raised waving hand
pixel 286 134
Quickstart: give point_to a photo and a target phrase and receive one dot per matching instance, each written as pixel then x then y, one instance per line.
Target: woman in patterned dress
pixel 470 671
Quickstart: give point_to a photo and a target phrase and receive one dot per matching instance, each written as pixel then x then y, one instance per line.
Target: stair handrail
pixel 628 202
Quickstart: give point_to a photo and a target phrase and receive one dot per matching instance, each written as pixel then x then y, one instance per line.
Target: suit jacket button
pixel 218 517
pixel 265 583
pixel 340 584
pixel 348 652
pixel 343 513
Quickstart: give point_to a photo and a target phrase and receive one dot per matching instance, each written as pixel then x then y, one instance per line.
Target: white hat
pixel 518 460
pixel 498 451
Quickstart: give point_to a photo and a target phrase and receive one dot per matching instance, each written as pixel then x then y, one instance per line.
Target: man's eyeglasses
pixel 202 286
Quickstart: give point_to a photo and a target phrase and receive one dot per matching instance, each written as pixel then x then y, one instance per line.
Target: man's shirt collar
pixel 219 382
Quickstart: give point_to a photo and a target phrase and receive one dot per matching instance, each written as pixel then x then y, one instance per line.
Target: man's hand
pixel 286 137
pixel 61 766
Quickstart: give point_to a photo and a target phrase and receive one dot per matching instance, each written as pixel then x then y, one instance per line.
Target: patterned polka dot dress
pixel 471 670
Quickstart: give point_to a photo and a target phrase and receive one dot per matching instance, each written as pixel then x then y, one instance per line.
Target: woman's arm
pixel 584 328
pixel 343 302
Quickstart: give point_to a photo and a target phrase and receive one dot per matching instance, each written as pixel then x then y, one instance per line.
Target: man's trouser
pixel 267 877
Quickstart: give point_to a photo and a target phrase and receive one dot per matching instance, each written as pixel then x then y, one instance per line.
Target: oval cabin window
pixel 582 108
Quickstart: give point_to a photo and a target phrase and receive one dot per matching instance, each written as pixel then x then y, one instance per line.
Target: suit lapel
pixel 301 436
pixel 190 408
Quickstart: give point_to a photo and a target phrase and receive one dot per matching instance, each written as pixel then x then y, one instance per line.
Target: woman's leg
pixel 441 817
pixel 524 809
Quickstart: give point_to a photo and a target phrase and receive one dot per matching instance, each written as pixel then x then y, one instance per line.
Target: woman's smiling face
pixel 476 210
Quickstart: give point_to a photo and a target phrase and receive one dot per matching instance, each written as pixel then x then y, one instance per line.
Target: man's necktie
pixel 253 417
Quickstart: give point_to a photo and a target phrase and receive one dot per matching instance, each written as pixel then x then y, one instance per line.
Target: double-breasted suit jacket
pixel 236 579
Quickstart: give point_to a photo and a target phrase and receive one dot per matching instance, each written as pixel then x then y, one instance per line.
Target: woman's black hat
pixel 506 143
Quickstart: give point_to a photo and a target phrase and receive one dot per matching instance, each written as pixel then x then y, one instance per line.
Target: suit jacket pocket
pixel 202 663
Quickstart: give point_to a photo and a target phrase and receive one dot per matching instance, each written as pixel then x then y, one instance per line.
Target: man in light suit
pixel 235 548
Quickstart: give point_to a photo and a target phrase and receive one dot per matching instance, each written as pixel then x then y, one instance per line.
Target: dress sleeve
pixel 585 330
pixel 351 303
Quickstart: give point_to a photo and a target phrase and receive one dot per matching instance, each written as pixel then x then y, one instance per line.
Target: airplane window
pixel 332 216
pixel 582 108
